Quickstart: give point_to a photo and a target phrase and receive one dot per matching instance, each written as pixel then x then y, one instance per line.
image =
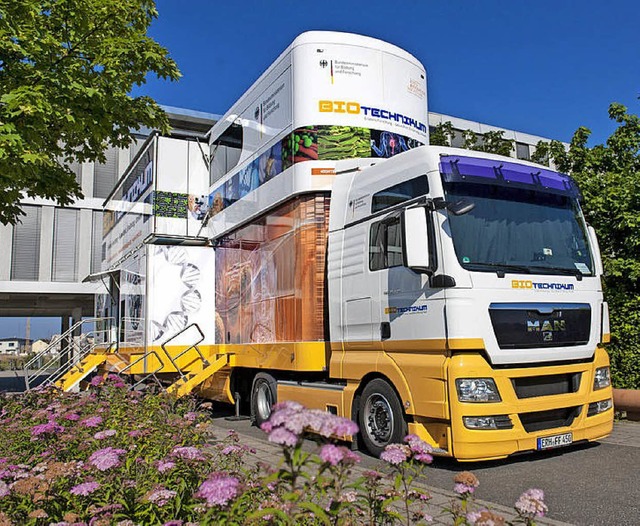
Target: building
pixel 12 346
pixel 48 255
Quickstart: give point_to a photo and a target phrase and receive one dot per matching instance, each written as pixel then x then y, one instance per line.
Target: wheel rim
pixel 264 400
pixel 378 419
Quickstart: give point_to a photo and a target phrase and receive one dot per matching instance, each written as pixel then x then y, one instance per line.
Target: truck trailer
pixel 318 249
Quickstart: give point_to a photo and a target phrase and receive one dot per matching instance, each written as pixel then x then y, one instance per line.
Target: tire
pixel 263 397
pixel 380 417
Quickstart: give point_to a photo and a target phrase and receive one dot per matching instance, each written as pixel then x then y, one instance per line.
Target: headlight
pixel 477 390
pixel 487 422
pixel 602 378
pixel 596 408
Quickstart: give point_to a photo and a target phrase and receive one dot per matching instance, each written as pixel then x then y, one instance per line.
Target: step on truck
pixel 354 268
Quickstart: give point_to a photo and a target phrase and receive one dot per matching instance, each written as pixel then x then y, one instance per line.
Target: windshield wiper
pixel 499 268
pixel 560 270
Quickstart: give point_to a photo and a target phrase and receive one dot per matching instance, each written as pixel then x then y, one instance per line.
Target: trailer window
pixel 225 152
pixel 399 193
pixel 385 245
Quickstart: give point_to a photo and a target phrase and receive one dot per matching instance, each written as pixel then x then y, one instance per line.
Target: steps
pixel 199 373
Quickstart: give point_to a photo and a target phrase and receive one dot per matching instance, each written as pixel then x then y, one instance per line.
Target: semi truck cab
pixel 472 282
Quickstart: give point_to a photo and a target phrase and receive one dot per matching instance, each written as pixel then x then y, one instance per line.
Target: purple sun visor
pixel 457 169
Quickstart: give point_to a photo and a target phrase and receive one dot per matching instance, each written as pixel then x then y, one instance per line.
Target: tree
pixel 67 68
pixel 490 142
pixel 609 177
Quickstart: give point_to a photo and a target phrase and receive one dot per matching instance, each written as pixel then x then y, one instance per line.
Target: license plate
pixel 555 441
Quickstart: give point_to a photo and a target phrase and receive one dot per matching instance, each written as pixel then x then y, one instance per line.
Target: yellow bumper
pixel 530 417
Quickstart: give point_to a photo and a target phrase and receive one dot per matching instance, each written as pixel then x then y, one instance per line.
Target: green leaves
pixel 67 68
pixel 609 177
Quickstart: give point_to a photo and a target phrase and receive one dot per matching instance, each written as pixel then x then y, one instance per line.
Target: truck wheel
pixel 263 397
pixel 380 417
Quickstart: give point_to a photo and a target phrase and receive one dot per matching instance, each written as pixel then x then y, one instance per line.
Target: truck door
pixel 361 314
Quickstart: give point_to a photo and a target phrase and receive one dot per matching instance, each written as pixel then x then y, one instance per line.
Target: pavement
pixel 624 433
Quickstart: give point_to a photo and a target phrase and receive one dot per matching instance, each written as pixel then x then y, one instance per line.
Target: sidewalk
pixel 440 499
pixel 625 433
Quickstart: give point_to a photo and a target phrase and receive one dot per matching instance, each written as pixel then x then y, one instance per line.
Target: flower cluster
pixel 531 504
pixel 289 420
pixel 465 483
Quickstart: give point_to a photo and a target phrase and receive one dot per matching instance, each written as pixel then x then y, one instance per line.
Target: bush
pixel 113 456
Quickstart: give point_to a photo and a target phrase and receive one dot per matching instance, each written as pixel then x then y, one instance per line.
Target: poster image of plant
pixel 343 142
pixel 300 146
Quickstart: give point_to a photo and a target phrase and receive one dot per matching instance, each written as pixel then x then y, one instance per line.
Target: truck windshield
pixel 519 230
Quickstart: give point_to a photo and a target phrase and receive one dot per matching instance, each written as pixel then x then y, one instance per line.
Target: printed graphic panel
pixel 270 276
pixel 180 292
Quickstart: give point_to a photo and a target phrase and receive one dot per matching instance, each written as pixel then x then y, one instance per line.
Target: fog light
pixel 602 378
pixel 487 422
pixel 595 408
pixel 477 390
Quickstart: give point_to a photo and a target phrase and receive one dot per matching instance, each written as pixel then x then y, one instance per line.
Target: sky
pixel 544 67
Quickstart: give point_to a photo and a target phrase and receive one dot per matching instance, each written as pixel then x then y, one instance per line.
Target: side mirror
pixel 415 242
pixel 461 207
pixel 457 208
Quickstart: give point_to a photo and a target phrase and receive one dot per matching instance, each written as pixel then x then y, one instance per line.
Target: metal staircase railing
pixel 72 350
pixel 193 346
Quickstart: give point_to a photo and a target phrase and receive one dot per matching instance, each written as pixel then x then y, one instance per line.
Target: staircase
pixel 198 367
pixel 71 358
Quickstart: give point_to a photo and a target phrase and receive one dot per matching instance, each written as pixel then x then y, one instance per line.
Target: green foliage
pixel 442 134
pixel 490 142
pixel 609 177
pixel 66 71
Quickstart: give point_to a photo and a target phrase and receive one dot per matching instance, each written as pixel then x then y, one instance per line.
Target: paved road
pixel 595 484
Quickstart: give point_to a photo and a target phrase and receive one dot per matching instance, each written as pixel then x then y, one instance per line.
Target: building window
pixel 385 244
pixel 25 257
pixel 96 242
pixel 522 151
pixel 105 174
pixel 65 245
pixel 457 140
pixel 225 152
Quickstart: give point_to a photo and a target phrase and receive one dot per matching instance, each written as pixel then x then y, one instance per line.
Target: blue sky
pixel 543 67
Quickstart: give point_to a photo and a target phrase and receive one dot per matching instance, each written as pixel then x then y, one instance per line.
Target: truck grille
pixel 550 419
pixel 531 387
pixel 531 325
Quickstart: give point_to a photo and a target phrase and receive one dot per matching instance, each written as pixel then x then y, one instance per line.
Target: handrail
pixel 70 346
pixel 147 375
pixel 174 359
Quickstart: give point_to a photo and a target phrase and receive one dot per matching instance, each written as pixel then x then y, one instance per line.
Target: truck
pixel 320 250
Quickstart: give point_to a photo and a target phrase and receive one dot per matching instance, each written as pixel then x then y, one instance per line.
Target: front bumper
pixel 531 417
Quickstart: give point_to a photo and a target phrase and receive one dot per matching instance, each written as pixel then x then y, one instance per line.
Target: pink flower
pixel 284 437
pixel 4 489
pixel 92 421
pixel 187 452
pixel 96 381
pixel 228 450
pixel 101 435
pixel 84 489
pixel 425 458
pixel 218 489
pixel 331 454
pixel 417 445
pixel 72 417
pixel 50 428
pixel 191 416
pixel 343 426
pixel 395 454
pixel 531 504
pixel 160 496
pixel 165 465
pixel 106 458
